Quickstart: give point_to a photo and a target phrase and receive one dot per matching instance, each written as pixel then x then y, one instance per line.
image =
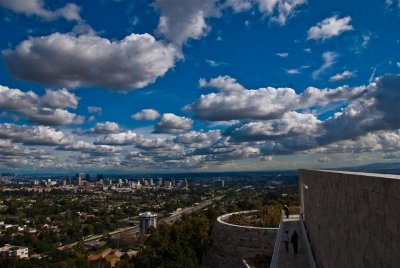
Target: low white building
pixel 14 251
pixel 5 226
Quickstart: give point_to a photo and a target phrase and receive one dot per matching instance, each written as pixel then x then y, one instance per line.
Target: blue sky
pixel 202 85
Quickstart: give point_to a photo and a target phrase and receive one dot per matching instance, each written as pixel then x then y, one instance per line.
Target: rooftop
pixel 147 214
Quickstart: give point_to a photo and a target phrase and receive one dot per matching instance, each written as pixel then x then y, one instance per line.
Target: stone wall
pixel 233 243
pixel 353 219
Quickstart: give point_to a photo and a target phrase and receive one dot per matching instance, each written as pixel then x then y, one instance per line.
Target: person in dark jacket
pixel 294 240
pixel 286 209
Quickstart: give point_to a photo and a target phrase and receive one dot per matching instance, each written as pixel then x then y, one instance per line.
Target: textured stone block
pixel 392 224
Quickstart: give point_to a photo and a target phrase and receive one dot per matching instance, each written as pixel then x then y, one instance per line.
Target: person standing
pixel 294 240
pixel 286 209
pixel 285 238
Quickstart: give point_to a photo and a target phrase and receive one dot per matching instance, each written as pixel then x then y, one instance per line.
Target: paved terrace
pixel 289 260
pixel 304 258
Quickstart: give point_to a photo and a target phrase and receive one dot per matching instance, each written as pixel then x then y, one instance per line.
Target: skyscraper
pixel 80 178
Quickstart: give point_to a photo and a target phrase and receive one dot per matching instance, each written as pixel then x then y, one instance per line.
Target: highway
pixel 98 237
pixel 189 210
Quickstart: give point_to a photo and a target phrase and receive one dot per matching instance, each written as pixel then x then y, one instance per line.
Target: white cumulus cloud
pixel 88 60
pixel 291 124
pixel 282 54
pixel 105 128
pixel 181 20
pixel 222 83
pixel 48 109
pixel 36 7
pixel 293 71
pixel 123 138
pixel 330 27
pixel 60 99
pixel 280 10
pixel 171 123
pixel 36 135
pixel 264 103
pixel 146 114
pixel 341 76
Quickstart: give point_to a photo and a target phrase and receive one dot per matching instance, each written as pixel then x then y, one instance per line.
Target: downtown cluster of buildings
pixel 84 182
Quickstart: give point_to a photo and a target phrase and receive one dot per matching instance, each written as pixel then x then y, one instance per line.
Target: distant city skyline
pixel 197 86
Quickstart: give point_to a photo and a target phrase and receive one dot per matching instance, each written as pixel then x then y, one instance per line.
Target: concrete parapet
pixel 234 243
pixel 353 219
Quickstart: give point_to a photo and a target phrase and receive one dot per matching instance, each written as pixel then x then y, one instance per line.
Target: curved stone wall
pixel 233 243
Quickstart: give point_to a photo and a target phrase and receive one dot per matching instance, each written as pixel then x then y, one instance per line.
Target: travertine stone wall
pixel 232 243
pixel 353 219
